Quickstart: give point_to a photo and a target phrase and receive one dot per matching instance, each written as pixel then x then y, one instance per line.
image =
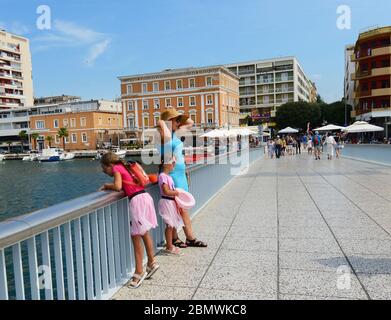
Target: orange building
pixel 209 95
pixel 372 77
pixel 90 124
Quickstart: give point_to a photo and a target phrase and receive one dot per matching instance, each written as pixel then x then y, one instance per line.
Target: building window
pixel 145 105
pixel 192 101
pixel 209 117
pixel 67 139
pixel 156 104
pixel 130 106
pixel 155 86
pixel 131 123
pixel 73 122
pixel 84 137
pixel 55 123
pixel 179 84
pixel 193 117
pixel 56 139
pixel 156 118
pixel 167 85
pixel 129 89
pixel 192 83
pixel 65 123
pixel 83 122
pixel 180 102
pixel 100 121
pixel 146 121
pixel 74 138
pixel 109 121
pixel 168 102
pixel 209 99
pixel 145 87
pixel 208 81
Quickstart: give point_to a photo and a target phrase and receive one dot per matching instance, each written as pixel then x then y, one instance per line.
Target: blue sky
pixel 91 42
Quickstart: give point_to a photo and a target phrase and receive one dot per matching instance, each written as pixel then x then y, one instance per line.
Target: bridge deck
pixel 291 228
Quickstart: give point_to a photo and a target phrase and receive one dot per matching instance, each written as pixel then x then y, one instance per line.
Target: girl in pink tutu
pixel 168 208
pixel 142 214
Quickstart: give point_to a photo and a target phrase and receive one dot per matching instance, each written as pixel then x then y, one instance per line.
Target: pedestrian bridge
pixel 289 228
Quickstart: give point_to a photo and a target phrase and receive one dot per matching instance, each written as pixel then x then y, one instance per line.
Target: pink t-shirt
pixel 128 189
pixel 165 179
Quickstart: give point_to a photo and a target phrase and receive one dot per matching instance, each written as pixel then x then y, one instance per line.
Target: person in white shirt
pixel 330 143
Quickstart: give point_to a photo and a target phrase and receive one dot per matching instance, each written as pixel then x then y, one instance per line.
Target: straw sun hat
pixel 171 114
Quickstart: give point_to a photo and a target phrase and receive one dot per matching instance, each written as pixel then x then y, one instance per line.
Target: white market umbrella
pixel 242 131
pixel 288 130
pixel 216 133
pixel 362 126
pixel 330 127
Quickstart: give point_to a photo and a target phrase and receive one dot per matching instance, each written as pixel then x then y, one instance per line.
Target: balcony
pixel 381 92
pixel 290 78
pixel 288 89
pixel 371 73
pixel 371 53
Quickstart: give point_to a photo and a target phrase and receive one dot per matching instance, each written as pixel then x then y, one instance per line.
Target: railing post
pixel 110 246
pixel 3 277
pixel 46 262
pixel 18 271
pixel 79 260
pixel 69 262
pixel 33 268
pixel 103 250
pixel 58 263
pixel 88 257
pixel 96 256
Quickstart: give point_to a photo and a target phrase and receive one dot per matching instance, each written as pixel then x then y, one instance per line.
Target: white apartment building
pixel 266 84
pixel 350 67
pixel 16 83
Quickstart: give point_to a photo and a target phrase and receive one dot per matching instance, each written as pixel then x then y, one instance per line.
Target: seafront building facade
pixel 350 66
pixel 266 84
pixel 372 77
pixel 209 95
pixel 91 124
pixel 16 84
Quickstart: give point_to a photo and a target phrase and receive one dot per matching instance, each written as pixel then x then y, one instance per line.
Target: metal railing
pixel 81 249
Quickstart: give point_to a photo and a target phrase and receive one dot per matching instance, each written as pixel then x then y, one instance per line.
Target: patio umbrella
pixel 362 126
pixel 216 133
pixel 288 130
pixel 330 127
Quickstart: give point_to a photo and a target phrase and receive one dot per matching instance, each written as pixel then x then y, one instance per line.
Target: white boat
pixel 120 152
pixel 49 155
pixel 31 157
pixel 1 157
pixel 67 156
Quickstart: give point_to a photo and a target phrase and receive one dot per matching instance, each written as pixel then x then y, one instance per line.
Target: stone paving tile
pixel 208 294
pixel 315 283
pixel 155 292
pixel 310 245
pixel 252 231
pixel 360 233
pixel 378 286
pixel 247 279
pixel 305 232
pixel 250 244
pixel 307 297
pixel 312 261
pixel 371 264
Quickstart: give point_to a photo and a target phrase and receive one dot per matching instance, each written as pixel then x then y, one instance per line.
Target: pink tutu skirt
pixel 142 214
pixel 169 212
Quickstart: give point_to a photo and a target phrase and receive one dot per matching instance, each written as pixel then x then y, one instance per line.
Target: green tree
pixel 23 137
pixel 63 133
pixel 335 113
pixel 298 114
pixel 34 137
pixel 49 139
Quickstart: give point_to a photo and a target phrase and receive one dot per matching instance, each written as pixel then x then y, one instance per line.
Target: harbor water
pixel 28 186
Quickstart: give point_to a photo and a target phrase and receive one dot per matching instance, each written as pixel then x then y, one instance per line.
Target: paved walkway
pixel 291 228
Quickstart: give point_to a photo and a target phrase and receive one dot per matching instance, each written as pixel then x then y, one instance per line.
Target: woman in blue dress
pixel 169 125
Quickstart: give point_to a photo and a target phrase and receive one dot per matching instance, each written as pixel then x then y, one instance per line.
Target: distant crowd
pixel 313 143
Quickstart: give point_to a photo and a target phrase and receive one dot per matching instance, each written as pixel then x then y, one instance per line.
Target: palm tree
pixel 63 133
pixel 34 137
pixel 49 139
pixel 23 137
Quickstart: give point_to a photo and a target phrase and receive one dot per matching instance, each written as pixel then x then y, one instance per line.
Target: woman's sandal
pixel 152 269
pixel 196 243
pixel 136 280
pixel 174 252
pixel 179 243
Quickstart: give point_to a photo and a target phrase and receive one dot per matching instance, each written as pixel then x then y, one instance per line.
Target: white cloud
pixel 70 34
pixel 96 50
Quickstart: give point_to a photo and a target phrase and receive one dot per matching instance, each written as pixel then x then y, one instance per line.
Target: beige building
pixel 209 95
pixel 91 124
pixel 16 84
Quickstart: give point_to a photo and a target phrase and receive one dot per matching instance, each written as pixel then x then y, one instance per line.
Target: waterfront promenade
pixel 292 228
